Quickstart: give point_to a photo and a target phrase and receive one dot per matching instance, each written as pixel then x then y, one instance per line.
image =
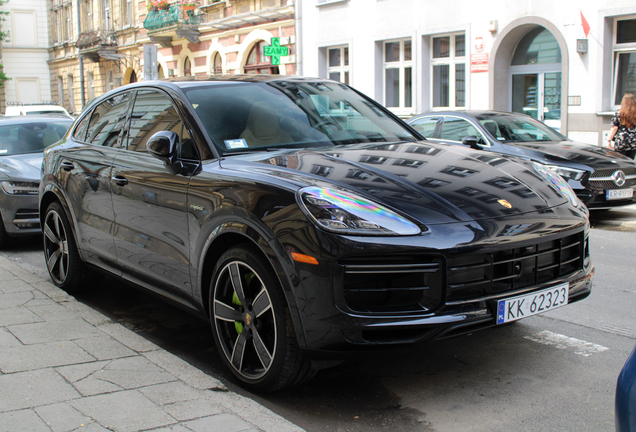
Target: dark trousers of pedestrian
pixel 629 153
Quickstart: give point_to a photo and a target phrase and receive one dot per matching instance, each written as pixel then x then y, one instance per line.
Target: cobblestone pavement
pixel 65 367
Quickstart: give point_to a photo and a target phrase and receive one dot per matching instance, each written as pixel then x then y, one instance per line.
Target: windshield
pixel 243 116
pixel 518 128
pixel 30 137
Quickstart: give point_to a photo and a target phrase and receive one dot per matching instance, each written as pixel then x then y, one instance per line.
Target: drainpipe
pixel 298 32
pixel 81 60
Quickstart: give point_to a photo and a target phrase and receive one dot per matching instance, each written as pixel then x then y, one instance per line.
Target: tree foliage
pixel 4 35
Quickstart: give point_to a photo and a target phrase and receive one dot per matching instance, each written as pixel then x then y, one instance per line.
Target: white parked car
pixel 28 109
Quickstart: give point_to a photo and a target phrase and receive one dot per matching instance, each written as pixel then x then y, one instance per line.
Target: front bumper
pixel 20 214
pixel 462 283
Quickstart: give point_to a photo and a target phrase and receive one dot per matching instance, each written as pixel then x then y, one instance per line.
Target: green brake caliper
pixel 238 326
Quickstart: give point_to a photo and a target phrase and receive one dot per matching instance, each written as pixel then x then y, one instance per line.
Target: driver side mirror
pixel 471 141
pixel 163 145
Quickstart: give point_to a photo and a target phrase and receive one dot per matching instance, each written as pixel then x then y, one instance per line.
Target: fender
pixel 217 228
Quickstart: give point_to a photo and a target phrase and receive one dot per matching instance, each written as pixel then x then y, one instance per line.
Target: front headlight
pixel 20 188
pixel 566 173
pixel 347 213
pixel 558 182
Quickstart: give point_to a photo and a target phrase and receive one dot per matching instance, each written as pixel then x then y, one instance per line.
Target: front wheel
pixel 252 325
pixel 60 252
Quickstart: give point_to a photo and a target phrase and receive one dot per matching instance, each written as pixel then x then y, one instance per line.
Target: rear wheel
pixel 252 325
pixel 60 252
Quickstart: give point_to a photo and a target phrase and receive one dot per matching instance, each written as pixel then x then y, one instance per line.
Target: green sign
pixel 275 51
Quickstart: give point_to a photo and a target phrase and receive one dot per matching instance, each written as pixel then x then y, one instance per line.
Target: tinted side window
pixel 455 129
pixel 153 112
pixel 82 127
pixel 108 121
pixel 426 126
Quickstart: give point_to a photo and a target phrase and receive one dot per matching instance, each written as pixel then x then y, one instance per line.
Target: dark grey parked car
pixel 22 141
pixel 601 178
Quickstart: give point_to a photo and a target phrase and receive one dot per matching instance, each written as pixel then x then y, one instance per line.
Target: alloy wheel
pixel 245 321
pixel 56 247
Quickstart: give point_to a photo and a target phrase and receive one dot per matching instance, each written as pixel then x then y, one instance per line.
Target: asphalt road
pixel 549 372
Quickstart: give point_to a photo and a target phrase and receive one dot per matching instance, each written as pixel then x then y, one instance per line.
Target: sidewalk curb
pixel 111 367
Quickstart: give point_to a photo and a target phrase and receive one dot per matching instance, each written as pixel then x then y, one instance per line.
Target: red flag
pixel 586 26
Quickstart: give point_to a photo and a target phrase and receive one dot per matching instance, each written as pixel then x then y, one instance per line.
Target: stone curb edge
pixel 243 407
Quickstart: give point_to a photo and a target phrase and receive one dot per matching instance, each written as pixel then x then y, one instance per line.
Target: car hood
pixel 433 183
pixel 23 167
pixel 570 152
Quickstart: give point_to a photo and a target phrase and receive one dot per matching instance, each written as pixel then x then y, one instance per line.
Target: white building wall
pixel 25 57
pixel 362 23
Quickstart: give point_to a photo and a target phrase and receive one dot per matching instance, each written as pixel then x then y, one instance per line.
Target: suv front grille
pixel 476 276
pixel 416 284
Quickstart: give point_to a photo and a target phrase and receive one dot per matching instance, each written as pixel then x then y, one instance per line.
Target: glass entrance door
pixel 539 96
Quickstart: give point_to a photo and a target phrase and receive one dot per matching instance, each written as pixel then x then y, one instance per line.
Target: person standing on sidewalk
pixel 623 131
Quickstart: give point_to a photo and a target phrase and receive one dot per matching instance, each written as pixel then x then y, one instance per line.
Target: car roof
pixel 467 114
pixel 47 118
pixel 192 81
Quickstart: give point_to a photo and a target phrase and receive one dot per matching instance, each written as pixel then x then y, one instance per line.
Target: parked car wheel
pixel 4 237
pixel 252 325
pixel 60 252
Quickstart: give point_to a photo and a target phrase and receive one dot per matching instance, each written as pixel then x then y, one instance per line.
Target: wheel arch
pixel 50 195
pixel 230 234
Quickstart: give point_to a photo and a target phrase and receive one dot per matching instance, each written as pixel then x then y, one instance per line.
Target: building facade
pixel 25 54
pixel 97 45
pixel 567 63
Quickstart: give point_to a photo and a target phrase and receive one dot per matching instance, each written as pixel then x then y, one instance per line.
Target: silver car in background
pixel 22 143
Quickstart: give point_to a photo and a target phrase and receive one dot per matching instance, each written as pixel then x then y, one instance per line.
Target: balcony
pixel 160 23
pixel 96 44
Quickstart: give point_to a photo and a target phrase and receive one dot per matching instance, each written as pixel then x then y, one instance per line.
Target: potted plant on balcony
pixel 188 5
pixel 161 4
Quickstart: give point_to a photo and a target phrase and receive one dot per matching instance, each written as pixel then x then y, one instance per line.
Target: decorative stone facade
pixel 113 32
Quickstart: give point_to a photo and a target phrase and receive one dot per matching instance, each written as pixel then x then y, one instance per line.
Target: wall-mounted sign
pixel 275 51
pixel 479 62
pixel 479 44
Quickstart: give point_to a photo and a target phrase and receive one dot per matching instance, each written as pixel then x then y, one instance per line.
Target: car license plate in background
pixel 516 308
pixel 612 194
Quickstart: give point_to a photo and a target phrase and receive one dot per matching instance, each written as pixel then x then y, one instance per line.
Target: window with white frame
pixel 398 74
pixel 86 20
pixel 448 63
pixel 338 64
pixel 624 58
pixel 68 22
pixel 58 25
pixel 127 13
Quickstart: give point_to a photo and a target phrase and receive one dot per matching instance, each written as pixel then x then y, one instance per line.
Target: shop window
pixel 449 71
pixel 624 59
pixel 257 63
pixel 338 64
pixel 398 74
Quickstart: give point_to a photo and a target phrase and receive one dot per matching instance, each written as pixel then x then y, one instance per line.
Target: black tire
pixel 60 251
pixel 4 237
pixel 252 326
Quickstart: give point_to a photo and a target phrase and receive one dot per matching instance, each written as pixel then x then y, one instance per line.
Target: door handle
pixel 67 166
pixel 120 180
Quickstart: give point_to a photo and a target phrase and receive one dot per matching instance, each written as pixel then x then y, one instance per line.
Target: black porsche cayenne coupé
pixel 305 221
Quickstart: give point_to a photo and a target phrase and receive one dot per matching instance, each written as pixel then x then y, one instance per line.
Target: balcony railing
pixel 158 19
pixel 96 38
